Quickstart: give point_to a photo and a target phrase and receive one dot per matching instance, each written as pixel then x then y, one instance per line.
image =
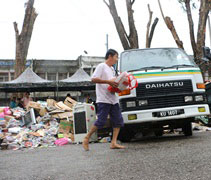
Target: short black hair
pixel 111 52
pixel 68 95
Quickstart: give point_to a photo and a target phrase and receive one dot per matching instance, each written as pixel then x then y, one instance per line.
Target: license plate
pixel 168 113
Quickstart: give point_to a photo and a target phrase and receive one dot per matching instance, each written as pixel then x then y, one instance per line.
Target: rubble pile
pixel 41 124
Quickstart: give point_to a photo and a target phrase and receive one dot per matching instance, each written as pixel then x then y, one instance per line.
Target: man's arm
pixel 111 82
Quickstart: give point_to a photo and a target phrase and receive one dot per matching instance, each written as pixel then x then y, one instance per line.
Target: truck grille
pixel 164 88
pixel 158 102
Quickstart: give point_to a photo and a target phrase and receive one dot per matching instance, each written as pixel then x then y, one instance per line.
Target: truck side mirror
pixel 207 53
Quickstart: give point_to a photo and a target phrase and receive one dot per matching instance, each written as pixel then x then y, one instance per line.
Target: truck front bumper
pixel 132 117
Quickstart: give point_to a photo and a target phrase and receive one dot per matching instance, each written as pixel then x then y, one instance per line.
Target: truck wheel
pixel 159 132
pixel 125 134
pixel 187 129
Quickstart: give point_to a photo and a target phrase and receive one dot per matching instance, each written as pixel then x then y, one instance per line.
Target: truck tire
pixel 158 132
pixel 187 129
pixel 125 134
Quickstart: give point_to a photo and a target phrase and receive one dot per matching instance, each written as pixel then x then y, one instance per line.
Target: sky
pixel 64 29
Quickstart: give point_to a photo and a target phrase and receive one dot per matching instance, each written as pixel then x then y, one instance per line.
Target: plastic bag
pixel 126 81
pixel 62 141
pixel 7 111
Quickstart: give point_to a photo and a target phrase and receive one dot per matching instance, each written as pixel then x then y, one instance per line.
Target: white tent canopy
pixel 28 76
pixel 79 76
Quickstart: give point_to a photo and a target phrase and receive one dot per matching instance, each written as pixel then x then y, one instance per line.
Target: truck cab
pixel 170 92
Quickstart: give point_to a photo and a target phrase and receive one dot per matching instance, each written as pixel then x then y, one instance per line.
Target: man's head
pixel 111 56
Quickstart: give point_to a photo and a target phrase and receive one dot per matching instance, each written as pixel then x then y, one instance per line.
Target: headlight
pixel 131 104
pixel 188 98
pixel 142 102
pixel 199 98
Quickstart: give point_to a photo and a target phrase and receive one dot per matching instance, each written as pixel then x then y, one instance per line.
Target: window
pixel 4 77
pixel 164 57
pixel 62 76
pixel 52 76
pixel 12 76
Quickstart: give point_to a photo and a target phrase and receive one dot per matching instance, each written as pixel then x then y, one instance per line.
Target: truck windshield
pixel 145 59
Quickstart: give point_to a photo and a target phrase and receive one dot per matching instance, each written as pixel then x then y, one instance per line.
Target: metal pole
pixel 57 90
pixel 106 42
pixel 80 63
pixel 7 102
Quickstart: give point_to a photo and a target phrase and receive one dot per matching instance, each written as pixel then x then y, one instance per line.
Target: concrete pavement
pixel 168 157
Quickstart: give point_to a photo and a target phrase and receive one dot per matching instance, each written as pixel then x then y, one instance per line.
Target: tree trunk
pixel 128 41
pixel 191 27
pixel 197 45
pixel 170 25
pixel 23 38
pixel 203 15
pixel 133 36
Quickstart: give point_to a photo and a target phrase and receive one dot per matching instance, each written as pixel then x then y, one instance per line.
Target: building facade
pixel 50 70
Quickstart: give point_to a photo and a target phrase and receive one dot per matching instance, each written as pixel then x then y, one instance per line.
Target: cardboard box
pixel 42 111
pixel 65 115
pixel 57 111
pixel 66 135
pixel 65 127
pixel 55 116
pixel 70 102
pixel 34 105
pixel 51 102
pixel 61 105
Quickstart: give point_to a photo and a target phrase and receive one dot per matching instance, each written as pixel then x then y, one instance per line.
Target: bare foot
pixel 117 146
pixel 86 144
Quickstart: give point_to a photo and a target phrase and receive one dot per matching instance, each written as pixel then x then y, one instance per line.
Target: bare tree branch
pixel 148 26
pixel 106 4
pixel 16 29
pixel 132 2
pixel 170 25
pixel 161 10
pixel 152 30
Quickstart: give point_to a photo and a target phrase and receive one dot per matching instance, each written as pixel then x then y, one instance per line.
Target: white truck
pixel 170 92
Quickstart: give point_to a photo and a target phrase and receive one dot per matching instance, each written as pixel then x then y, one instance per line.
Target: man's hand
pixel 113 83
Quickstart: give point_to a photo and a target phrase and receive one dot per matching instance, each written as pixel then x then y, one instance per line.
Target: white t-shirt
pixel 104 72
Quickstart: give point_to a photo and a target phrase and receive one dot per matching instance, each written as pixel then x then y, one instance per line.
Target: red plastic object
pixel 130 78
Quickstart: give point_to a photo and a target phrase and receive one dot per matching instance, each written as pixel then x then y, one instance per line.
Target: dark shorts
pixel 103 110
